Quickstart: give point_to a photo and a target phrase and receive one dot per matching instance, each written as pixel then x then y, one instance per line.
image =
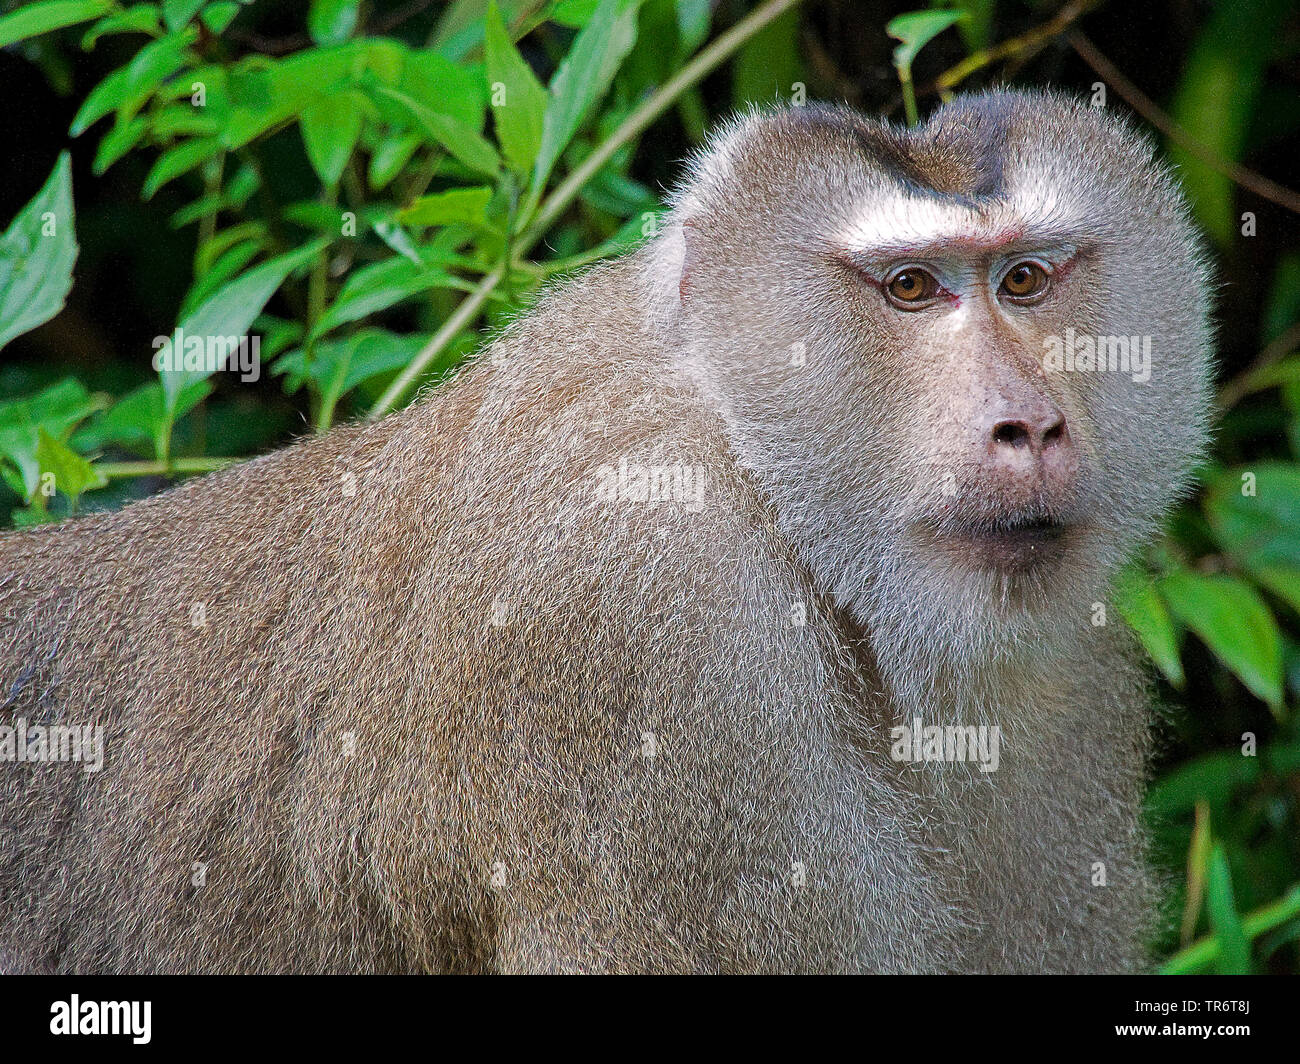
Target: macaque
pixel 737 611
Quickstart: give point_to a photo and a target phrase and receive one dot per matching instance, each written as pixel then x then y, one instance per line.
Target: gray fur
pixel 648 765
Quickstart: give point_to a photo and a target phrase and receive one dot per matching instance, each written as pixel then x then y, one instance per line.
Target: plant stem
pixel 909 94
pixel 1248 179
pixel 211 187
pixel 1254 376
pixel 317 282
pixel 461 317
pixel 643 116
pixel 163 469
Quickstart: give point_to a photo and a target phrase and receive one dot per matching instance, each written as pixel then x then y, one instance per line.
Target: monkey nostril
pixel 1037 436
pixel 1015 433
pixel 1055 434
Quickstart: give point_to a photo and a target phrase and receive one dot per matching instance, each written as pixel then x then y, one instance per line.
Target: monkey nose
pixel 1038 432
pixel 1031 441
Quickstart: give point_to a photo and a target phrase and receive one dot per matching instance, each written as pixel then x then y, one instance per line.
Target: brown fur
pixel 643 765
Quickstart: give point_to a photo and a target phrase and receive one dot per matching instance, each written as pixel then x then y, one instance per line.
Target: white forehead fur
pixel 895 218
pixel 1036 196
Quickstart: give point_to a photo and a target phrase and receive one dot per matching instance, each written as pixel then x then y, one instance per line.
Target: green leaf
pixel 379 286
pixel 178 13
pixel 37 253
pixel 56 409
pixel 440 85
pixel 138 418
pixel 460 30
pixel 694 17
pixel 183 120
pixel 1234 946
pixel 332 21
pixel 217 17
pixel 330 128
pixel 677 30
pixel 222 270
pixel 467 205
pixel 769 64
pixel 976 27
pixel 127 89
pixel 230 312
pixel 390 157
pixel 103 99
pixel 1255 513
pixel 152 65
pixel 133 419
pixel 72 473
pixel 143 18
pixel 1144 610
pixel 517 97
pixel 118 141
pixel 620 196
pixel 575 13
pixel 1282 580
pixel 1278 916
pixel 386 59
pixel 376 351
pixel 397 238
pixel 1198 868
pixel 1234 622
pixel 458 139
pixel 277 334
pixel 916 29
pixel 238 190
pixel 35 19
pixel 207 253
pixel 1214 778
pixel 583 78
pixel 338 366
pixel 183 91
pixel 321 217
pixel 265 94
pixel 176 161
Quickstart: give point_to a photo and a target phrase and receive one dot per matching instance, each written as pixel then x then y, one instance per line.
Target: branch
pixel 1245 382
pixel 1147 108
pixel 1023 47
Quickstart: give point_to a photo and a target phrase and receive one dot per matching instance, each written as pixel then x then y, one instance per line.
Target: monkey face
pixel 969 361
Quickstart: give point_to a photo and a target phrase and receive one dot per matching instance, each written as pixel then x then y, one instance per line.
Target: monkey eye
pixel 1025 281
pixel 911 287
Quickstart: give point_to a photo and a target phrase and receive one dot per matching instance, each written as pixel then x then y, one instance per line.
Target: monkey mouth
pixel 1013 544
